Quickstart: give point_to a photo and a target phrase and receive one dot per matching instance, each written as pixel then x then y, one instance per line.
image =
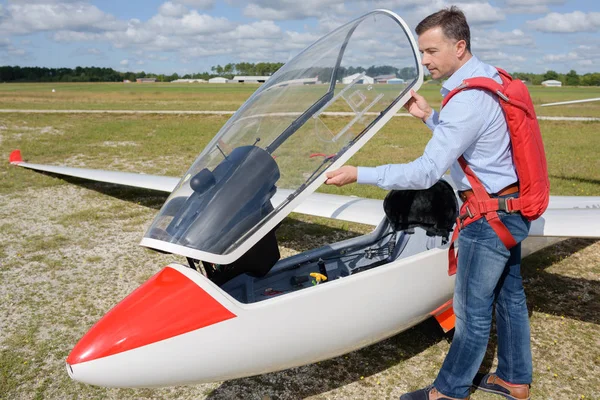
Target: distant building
pixel 384 78
pixel 395 81
pixel 297 82
pixel 189 81
pixel 145 80
pixel 364 79
pixel 250 79
pixel 218 79
pixel 552 82
pixel 126 81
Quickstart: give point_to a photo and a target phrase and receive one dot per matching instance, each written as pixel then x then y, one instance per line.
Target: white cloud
pixel 260 29
pixel 191 23
pixel 43 1
pixel 179 31
pixel 124 62
pixel 561 57
pixel 7 48
pixel 530 3
pixel 30 18
pixel 170 9
pixel 293 9
pixel 74 36
pixel 16 52
pixel 87 51
pixel 199 4
pixel 576 21
pixel 481 13
pixel 482 40
pixel 392 4
pixel 587 57
pixel 500 56
pixel 530 6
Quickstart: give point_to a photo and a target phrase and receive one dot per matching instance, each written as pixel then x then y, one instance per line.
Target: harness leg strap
pixel 501 230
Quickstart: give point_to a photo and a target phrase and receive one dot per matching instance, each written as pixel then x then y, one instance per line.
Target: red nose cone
pixel 167 305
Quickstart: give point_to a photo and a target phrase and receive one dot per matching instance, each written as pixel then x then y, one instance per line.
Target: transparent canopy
pixel 307 115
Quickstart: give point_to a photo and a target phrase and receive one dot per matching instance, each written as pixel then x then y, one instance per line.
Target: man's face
pixel 439 54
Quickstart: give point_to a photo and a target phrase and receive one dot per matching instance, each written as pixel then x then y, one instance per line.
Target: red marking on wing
pixel 15 157
pixel 167 305
pixel 444 315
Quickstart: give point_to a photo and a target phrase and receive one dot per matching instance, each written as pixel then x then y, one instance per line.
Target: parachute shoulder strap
pixel 479 83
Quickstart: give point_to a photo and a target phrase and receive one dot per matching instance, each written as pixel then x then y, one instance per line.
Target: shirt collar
pixel 464 72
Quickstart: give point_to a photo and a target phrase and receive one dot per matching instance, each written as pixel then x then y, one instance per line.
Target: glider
pixel 236 309
pixel 563 103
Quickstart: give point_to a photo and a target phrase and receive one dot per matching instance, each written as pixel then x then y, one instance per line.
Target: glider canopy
pixel 308 117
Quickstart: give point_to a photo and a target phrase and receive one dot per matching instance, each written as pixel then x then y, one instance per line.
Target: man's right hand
pixel 418 107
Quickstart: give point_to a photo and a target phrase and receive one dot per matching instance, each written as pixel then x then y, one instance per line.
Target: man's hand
pixel 418 107
pixel 342 176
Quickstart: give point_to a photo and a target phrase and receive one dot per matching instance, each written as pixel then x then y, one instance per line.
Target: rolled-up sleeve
pixel 458 125
pixel 433 120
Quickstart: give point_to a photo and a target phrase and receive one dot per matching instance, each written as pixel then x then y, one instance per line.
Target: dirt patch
pixel 70 253
pixel 119 144
pixel 76 161
pixel 17 132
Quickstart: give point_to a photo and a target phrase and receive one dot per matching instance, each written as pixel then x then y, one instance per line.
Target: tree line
pixel 248 69
pixel 97 74
pixel 571 78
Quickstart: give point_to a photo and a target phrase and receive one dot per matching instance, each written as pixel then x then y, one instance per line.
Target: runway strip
pixel 340 114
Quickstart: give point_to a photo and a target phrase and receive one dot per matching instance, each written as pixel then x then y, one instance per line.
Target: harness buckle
pixel 460 221
pixel 469 213
pixel 504 205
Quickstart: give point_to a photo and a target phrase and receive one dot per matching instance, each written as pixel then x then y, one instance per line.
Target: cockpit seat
pixel 434 209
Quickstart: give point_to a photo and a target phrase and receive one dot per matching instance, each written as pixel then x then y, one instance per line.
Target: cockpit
pixel 311 115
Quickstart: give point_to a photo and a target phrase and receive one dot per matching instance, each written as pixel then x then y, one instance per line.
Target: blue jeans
pixel 488 274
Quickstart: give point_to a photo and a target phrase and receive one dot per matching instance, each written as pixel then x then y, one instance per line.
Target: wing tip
pixel 15 157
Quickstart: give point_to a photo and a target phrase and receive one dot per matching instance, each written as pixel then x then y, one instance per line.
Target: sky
pixel 188 36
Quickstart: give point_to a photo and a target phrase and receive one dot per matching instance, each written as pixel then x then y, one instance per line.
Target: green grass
pixel 226 97
pixel 55 284
pixel 167 145
pixel 44 243
pixel 542 95
pixel 120 96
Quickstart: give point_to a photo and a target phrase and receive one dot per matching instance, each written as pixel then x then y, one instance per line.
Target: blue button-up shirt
pixel 471 124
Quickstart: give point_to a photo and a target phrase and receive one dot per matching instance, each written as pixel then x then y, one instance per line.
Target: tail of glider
pixel 15 157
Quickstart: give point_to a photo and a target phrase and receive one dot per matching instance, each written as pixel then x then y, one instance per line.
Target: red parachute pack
pixel 528 156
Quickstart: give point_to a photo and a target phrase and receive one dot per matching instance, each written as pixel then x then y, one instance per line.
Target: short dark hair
pixel 453 23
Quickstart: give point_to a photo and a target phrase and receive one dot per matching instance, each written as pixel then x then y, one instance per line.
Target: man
pixel 472 124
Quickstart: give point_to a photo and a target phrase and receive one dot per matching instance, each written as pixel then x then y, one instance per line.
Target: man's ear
pixel 461 48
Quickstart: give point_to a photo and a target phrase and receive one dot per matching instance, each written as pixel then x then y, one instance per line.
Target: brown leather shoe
pixel 493 384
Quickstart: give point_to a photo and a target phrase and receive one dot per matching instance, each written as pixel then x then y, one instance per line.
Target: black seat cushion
pixel 434 209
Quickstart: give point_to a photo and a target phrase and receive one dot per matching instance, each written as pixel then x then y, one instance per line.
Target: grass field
pixel 69 248
pixel 222 97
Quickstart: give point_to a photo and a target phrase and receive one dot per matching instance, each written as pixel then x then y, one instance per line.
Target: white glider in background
pixel 564 103
pixel 238 310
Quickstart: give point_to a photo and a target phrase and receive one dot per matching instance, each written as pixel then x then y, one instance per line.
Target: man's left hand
pixel 342 176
